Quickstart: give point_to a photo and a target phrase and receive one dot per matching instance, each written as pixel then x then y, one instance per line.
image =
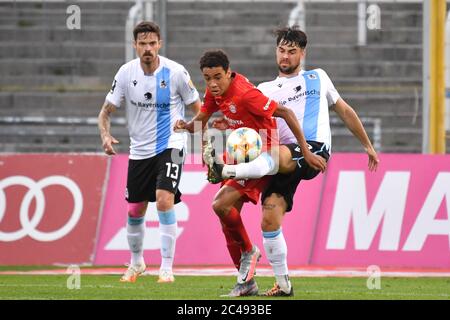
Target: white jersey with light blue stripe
pixel 153 104
pixel 309 94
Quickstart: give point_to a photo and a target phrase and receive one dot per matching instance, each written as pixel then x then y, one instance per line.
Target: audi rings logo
pixel 35 191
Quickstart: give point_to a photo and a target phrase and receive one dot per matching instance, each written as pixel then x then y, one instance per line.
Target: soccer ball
pixel 243 145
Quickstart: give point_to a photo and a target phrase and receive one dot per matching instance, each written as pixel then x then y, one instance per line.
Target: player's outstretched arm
pixel 354 124
pixel 196 106
pixel 201 119
pixel 315 161
pixel 104 126
pixel 220 124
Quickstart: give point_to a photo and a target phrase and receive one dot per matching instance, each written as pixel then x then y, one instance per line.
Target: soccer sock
pixel 135 236
pixel 276 250
pixel 233 247
pixel 236 230
pixel 168 235
pixel 257 168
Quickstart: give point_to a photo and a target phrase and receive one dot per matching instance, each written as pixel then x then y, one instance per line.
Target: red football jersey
pixel 243 105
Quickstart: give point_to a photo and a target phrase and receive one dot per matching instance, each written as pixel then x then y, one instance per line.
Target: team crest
pixel 312 76
pixel 163 84
pixel 232 108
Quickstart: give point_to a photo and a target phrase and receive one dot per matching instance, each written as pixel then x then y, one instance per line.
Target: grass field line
pixel 120 286
pixel 264 271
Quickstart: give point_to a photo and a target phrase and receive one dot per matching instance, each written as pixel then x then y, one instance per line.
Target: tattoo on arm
pixel 104 123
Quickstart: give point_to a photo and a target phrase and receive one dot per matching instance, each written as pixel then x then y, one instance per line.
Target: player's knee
pixel 220 208
pixel 164 200
pixel 274 207
pixel 269 224
pixel 137 210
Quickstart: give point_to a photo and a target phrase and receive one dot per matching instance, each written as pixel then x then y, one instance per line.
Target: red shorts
pixel 249 189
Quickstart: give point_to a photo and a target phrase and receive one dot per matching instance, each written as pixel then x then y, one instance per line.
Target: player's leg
pixel 279 159
pixel 136 231
pixel 286 164
pixel 277 199
pixel 135 237
pixel 137 206
pixel 226 204
pixel 167 232
pixel 233 247
pixel 230 218
pixel 263 165
pixel 170 164
pixel 274 208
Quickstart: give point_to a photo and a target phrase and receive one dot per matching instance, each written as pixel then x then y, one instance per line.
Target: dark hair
pixel 146 27
pixel 291 36
pixel 214 58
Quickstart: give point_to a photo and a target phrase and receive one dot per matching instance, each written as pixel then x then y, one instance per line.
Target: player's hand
pixel 373 159
pixel 107 144
pixel 316 162
pixel 220 124
pixel 180 125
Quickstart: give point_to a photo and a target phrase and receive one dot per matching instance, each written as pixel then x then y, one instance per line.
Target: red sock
pixel 236 229
pixel 233 247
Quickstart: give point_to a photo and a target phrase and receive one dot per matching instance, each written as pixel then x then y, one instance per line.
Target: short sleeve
pixel 186 88
pixel 118 87
pixel 331 92
pixel 258 104
pixel 209 105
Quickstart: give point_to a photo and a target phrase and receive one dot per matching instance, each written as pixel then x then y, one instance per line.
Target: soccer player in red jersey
pixel 243 105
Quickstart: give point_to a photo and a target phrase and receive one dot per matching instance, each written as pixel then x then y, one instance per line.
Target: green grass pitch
pixel 212 287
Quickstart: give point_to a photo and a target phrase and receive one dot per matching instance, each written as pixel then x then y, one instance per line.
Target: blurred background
pixel 56 70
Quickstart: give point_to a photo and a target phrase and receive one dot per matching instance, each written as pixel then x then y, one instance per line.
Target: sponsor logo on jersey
pixel 150 105
pixel 297 89
pixel 300 95
pixel 234 122
pixel 148 96
pixel 134 83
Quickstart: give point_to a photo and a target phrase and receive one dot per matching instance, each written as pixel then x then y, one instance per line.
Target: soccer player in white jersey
pixel 155 91
pixel 310 94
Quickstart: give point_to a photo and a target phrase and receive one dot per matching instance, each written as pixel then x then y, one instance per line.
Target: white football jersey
pixel 153 104
pixel 309 95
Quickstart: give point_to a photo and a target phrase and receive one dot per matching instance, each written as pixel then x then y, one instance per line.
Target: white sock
pixel 168 235
pixel 135 236
pixel 276 251
pixel 255 169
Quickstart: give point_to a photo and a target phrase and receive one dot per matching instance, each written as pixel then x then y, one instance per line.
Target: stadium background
pixel 54 80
